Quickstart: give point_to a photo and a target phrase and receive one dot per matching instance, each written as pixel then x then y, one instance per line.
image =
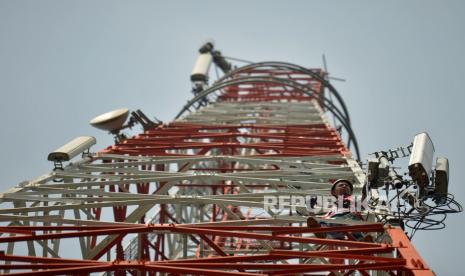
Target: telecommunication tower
pixel 237 184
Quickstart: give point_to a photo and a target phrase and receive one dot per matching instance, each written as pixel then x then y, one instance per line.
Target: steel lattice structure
pixel 188 197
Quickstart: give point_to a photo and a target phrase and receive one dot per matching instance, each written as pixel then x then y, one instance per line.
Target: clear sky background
pixel 63 62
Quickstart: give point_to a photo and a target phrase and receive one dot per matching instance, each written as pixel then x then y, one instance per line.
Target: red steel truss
pixel 188 197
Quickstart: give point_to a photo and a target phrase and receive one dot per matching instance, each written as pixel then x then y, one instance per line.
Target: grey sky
pixel 63 62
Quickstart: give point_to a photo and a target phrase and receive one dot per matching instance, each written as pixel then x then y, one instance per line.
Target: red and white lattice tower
pixel 189 197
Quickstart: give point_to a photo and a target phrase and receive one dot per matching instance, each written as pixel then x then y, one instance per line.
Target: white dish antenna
pixel 112 121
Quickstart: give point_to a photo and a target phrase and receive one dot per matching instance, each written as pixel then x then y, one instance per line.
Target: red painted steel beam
pixel 414 262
